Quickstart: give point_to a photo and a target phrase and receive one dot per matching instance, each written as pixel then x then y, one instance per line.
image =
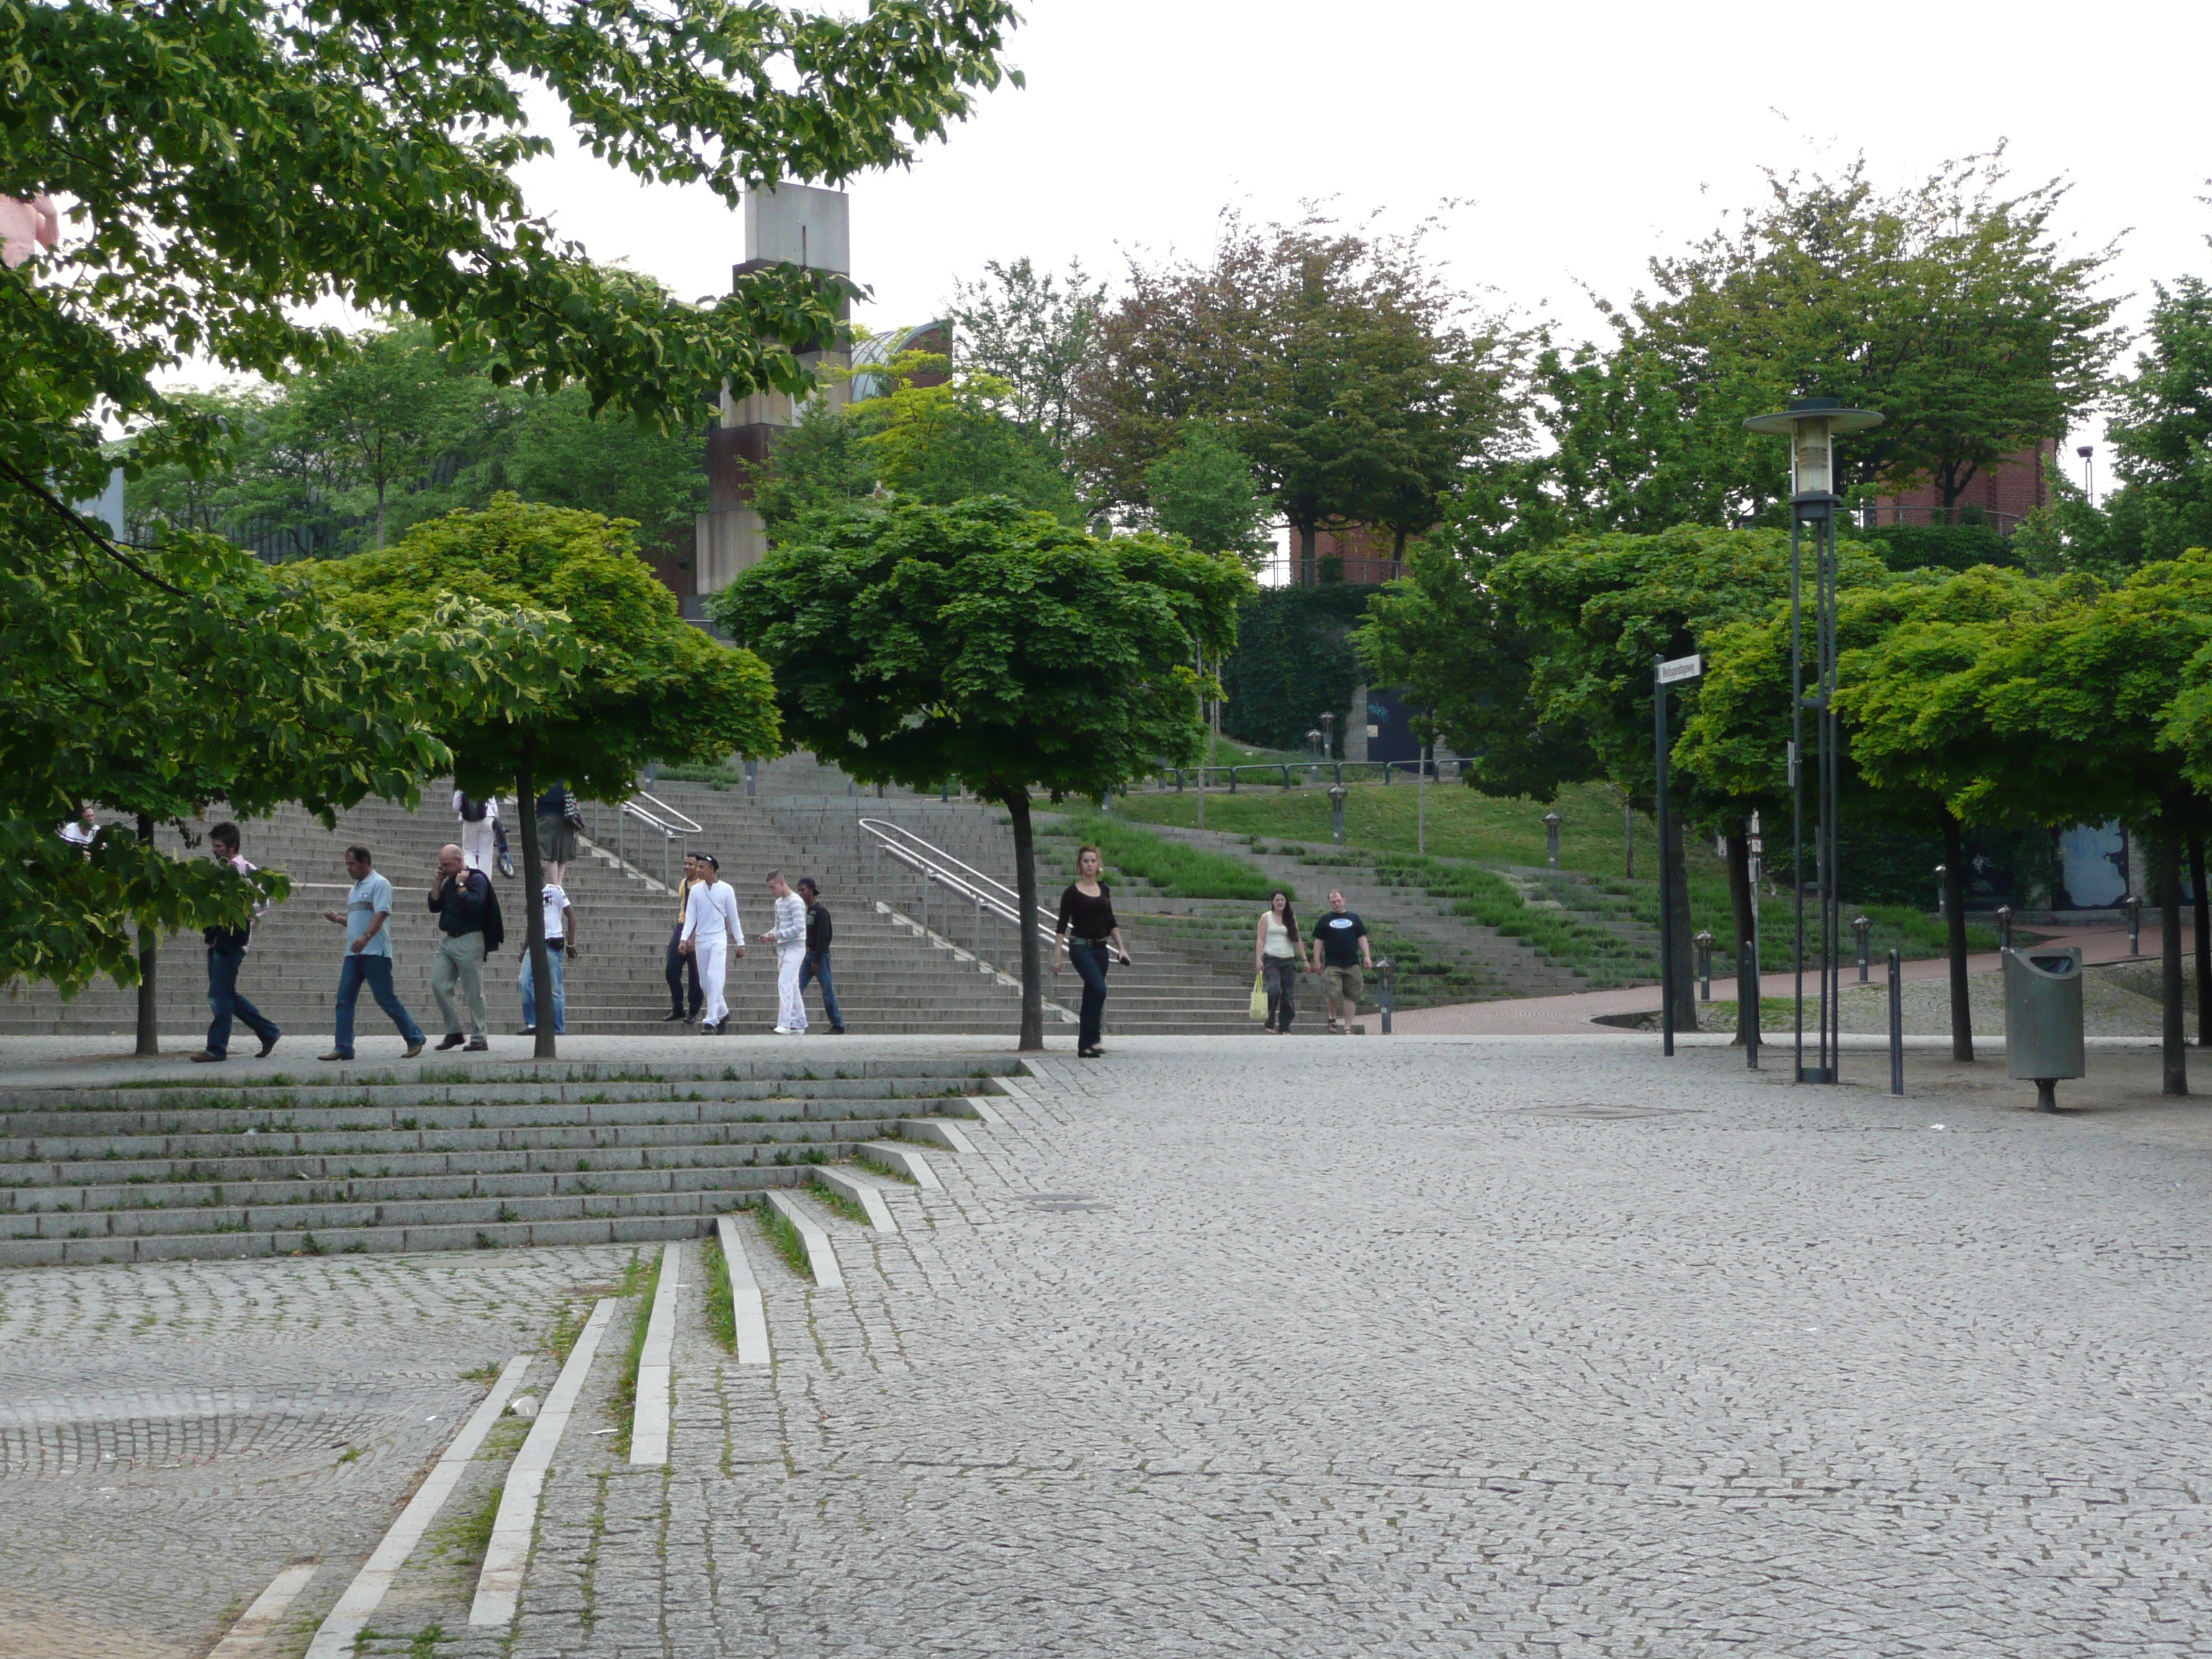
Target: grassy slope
pixel 1463 824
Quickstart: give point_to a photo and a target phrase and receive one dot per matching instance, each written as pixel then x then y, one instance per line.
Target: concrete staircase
pixel 365 1159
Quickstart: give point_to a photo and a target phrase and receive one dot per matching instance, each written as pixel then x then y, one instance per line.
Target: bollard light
pixel 1702 939
pixel 2133 906
pixel 2004 927
pixel 1552 822
pixel 1313 743
pixel 1941 908
pixel 1329 736
pixel 1386 972
pixel 1863 925
pixel 1337 793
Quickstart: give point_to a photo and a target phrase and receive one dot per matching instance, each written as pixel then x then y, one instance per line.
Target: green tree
pixel 555 452
pixel 1294 662
pixel 2162 433
pixel 1033 334
pixel 1359 386
pixel 820 464
pixel 916 644
pixel 602 674
pixel 384 411
pixel 1951 307
pixel 947 443
pixel 1203 491
pixel 247 693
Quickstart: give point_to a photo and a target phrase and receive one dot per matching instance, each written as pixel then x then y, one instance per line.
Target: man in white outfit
pixel 479 830
pixel 710 924
pixel 789 937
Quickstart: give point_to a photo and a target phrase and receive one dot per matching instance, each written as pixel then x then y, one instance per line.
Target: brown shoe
pixel 477 1048
pixel 413 1049
pixel 334 1055
pixel 205 1058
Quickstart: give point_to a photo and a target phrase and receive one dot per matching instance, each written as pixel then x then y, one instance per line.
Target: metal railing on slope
pixel 654 816
pixel 982 899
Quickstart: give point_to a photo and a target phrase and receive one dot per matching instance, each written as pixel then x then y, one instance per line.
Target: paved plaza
pixel 1515 1345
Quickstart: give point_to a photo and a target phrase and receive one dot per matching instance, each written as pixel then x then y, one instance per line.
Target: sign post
pixel 1664 673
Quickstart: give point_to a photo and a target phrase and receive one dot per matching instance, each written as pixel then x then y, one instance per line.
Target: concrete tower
pixel 795 224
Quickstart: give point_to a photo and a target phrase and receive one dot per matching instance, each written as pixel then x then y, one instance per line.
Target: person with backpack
pixel 479 830
pixel 468 916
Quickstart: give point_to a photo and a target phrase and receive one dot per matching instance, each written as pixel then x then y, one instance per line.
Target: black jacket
pixel 818 929
pixel 463 912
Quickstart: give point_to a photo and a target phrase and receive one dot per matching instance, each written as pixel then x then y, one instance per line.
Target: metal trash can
pixel 2042 1017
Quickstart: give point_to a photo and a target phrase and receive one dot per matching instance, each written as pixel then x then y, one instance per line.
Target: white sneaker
pixel 784 1030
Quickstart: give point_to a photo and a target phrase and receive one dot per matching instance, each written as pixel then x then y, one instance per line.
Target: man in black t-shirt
pixel 1340 953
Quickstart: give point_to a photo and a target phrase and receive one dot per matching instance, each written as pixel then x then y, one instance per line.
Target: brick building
pixel 2004 494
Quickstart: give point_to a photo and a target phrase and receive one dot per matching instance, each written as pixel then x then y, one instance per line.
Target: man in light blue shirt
pixel 368 957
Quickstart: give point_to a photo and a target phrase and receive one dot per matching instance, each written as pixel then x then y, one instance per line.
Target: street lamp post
pixel 1703 941
pixel 1813 425
pixel 1337 791
pixel 1862 926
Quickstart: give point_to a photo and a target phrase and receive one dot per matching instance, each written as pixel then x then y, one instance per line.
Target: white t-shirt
pixel 711 908
pixel 77 834
pixel 556 906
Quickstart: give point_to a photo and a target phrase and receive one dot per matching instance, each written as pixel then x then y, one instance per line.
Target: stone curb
pixel 749 1312
pixel 499 1586
pixel 648 1433
pixel 346 1621
pixel 907 1161
pixel 935 1131
pixel 861 1192
pixel 821 1256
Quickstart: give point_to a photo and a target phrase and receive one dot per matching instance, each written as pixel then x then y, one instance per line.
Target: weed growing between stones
pixel 721 1312
pixel 888 1172
pixel 464 1538
pixel 784 1238
pixel 642 1281
pixel 837 1202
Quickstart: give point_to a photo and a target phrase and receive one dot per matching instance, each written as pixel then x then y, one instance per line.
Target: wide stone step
pixel 337 1213
pixel 487 1235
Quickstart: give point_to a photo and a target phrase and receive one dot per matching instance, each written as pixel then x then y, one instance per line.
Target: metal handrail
pixel 937 865
pixel 662 817
pixel 1287 774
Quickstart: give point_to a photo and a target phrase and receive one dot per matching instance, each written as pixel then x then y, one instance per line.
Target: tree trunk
pixel 1398 552
pixel 1954 908
pixel 2204 942
pixel 2174 1045
pixel 1016 803
pixel 1308 575
pixel 533 897
pixel 149 956
pixel 379 515
pixel 1676 853
pixel 1740 901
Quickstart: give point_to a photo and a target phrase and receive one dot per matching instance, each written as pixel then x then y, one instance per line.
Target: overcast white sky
pixel 1577 139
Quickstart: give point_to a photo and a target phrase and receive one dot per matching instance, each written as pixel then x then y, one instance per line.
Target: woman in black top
pixel 1086 911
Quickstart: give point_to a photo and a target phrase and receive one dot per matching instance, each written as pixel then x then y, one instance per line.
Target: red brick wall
pixel 2007 492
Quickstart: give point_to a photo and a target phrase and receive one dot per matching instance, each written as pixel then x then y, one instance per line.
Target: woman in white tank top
pixel 1275 960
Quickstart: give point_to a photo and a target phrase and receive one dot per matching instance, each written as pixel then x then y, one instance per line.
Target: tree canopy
pixel 978 642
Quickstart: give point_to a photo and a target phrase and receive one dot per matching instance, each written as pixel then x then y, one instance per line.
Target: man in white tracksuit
pixel 710 923
pixel 479 830
pixel 789 938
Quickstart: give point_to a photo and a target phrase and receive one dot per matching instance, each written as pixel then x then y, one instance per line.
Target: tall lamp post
pixel 1813 425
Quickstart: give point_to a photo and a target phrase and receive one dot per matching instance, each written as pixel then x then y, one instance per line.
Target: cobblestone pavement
pixel 171 1436
pixel 1538 1348
pixel 1533 1346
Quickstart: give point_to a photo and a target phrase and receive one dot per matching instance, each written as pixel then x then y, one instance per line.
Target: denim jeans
pixel 1090 957
pixel 1282 974
pixel 376 972
pixel 224 1002
pixel 677 966
pixel 818 968
pixel 553 969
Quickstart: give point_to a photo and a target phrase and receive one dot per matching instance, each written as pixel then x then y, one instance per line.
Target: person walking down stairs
pixel 789 937
pixel 1085 928
pixel 461 899
pixel 816 965
pixel 677 963
pixel 1275 953
pixel 560 819
pixel 226 954
pixel 366 919
pixel 711 928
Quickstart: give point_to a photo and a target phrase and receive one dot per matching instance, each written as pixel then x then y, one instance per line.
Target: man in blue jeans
pixel 226 949
pixel 816 962
pixel 368 957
